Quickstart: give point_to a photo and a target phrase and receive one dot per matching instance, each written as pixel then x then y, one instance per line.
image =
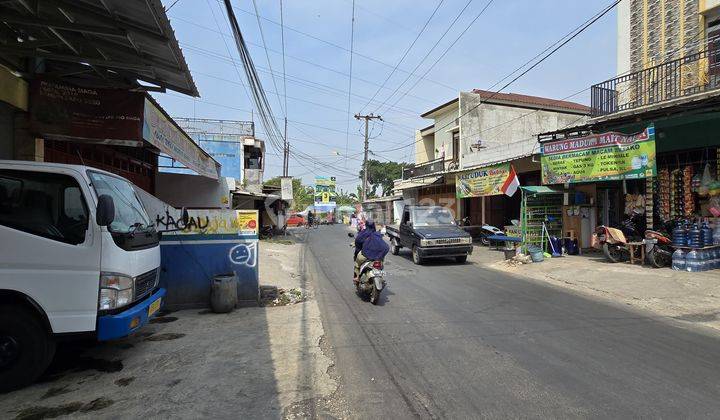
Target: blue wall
pixel 189 263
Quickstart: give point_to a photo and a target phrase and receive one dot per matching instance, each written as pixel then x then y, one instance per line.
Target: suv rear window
pixel 44 204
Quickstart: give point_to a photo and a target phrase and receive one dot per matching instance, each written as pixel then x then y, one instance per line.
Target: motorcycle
pixel 658 250
pixel 614 241
pixel 484 232
pixel 371 280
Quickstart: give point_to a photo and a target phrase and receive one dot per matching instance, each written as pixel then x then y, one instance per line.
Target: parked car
pixel 79 256
pixel 295 220
pixel 429 232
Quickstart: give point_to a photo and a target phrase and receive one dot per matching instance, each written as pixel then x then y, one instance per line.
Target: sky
pixel 317 67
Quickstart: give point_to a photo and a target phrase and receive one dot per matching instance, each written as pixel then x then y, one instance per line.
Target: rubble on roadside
pixel 517 260
pixel 274 296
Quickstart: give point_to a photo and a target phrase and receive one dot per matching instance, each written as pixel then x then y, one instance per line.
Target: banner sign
pixel 483 181
pixel 159 131
pixel 286 188
pixel 65 111
pixel 325 190
pixel 600 157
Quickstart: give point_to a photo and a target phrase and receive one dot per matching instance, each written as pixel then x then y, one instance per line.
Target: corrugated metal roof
pixel 96 43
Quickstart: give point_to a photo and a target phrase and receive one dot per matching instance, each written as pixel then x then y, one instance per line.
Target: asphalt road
pixel 459 341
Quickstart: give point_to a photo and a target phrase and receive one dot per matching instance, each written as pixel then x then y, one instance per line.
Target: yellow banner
pixel 482 182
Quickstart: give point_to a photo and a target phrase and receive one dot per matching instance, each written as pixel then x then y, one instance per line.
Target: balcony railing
pixel 427 168
pixel 689 75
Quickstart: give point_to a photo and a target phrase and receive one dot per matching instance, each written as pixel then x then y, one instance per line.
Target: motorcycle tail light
pixel 377 264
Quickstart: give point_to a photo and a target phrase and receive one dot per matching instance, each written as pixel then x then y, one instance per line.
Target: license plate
pixel 378 273
pixel 154 307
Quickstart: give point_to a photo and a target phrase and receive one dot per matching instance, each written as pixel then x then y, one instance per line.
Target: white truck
pixel 78 256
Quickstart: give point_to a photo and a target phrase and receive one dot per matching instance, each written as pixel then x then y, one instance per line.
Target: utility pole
pixel 367 119
pixel 286 152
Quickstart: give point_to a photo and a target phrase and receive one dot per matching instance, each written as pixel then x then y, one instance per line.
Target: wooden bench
pixel 632 247
pixel 502 238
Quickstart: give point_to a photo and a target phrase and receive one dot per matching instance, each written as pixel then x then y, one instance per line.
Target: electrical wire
pixel 422 61
pixel 267 55
pixel 349 112
pixel 405 54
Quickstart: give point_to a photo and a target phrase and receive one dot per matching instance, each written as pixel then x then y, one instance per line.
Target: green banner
pixel 482 181
pixel 600 157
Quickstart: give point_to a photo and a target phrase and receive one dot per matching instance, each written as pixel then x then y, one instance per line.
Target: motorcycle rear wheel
pixel 614 253
pixel 659 258
pixel 374 295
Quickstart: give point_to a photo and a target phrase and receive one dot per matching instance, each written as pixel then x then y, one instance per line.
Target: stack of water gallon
pixel 698 247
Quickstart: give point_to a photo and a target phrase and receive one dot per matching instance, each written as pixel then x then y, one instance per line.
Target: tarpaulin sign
pixel 483 181
pixel 600 157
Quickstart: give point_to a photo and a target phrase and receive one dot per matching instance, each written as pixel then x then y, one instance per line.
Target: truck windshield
pixel 432 216
pixel 130 215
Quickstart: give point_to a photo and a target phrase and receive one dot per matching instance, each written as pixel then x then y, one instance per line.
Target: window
pixel 44 204
pixel 129 213
pixel 456 146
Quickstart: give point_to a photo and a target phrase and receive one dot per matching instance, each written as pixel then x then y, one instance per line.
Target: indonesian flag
pixel 511 183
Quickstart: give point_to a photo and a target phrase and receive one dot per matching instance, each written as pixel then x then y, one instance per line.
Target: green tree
pixel 381 175
pixel 345 199
pixel 303 195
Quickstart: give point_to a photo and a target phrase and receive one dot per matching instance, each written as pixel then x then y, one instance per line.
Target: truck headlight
pixel 426 242
pixel 116 290
pixel 467 240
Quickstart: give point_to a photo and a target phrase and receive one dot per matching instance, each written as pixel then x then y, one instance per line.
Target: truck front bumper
pixel 111 327
pixel 445 251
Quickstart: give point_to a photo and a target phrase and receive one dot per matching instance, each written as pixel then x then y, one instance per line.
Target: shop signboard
pixel 286 188
pixel 599 157
pixel 325 191
pixel 162 133
pixel 67 112
pixel 482 181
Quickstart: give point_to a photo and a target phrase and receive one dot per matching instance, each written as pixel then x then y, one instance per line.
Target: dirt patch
pixel 69 362
pixel 38 413
pixel 701 317
pixel 143 334
pixel 278 241
pixel 124 381
pixel 163 320
pixel 164 312
pixel 52 392
pixel 165 337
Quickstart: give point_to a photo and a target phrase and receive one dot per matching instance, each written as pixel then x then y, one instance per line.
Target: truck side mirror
pixel 185 216
pixel 105 213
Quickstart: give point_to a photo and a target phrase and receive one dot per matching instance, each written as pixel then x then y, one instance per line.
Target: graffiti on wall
pixel 244 254
pixel 209 222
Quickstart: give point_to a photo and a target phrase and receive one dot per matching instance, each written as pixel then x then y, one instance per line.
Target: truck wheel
pixel 26 349
pixel 417 259
pixel 461 259
pixel 394 247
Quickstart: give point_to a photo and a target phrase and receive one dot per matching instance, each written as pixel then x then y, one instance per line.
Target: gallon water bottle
pixel 706 234
pixel 692 261
pixel 716 235
pixel 694 237
pixel 678 260
pixel 703 263
pixel 679 235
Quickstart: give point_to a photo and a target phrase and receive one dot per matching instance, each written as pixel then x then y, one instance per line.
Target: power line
pixel 407 50
pixel 286 155
pixel 352 44
pixel 412 73
pixel 367 57
pixel 267 56
pixel 472 22
pixel 566 39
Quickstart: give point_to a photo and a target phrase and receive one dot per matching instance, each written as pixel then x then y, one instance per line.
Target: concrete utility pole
pixel 367 119
pixel 286 152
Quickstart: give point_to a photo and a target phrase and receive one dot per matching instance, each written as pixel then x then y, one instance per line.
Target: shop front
pixel 659 174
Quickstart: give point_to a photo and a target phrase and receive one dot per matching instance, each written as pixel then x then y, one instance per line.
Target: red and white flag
pixel 511 183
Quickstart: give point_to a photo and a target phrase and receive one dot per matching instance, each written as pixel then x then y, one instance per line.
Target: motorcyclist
pixel 311 217
pixel 369 245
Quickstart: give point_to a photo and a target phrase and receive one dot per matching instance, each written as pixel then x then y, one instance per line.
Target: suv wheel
pixel 417 259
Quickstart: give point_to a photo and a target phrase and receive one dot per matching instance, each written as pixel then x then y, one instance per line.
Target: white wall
pixel 506 132
pixel 443 136
pixel 193 191
pixel 623 37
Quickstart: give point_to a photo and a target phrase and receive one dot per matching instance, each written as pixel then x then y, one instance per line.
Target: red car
pixel 295 220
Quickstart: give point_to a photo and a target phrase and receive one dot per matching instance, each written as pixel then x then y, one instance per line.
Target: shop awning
pixel 539 190
pixel 415 183
pixel 95 43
